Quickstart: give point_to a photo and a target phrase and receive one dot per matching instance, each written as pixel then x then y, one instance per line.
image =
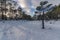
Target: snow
pixel 29 30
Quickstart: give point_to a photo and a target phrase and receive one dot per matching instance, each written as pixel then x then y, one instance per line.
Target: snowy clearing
pixel 29 30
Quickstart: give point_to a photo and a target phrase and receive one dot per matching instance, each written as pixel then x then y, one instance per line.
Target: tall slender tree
pixel 19 12
pixel 1 9
pixel 5 9
pixel 43 8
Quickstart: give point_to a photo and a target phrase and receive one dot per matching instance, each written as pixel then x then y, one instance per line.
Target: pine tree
pixel 42 8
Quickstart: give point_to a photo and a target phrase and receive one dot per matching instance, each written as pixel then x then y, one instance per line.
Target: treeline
pixel 53 14
pixel 9 10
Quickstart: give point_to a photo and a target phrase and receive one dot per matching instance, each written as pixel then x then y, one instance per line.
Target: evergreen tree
pixel 42 8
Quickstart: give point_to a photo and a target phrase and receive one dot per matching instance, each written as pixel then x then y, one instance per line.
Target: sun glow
pixel 22 3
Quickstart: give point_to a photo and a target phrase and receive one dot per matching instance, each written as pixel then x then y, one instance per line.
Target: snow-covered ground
pixel 29 30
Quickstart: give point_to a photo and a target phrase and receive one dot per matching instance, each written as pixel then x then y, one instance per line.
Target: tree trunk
pixel 5 9
pixel 2 11
pixel 43 21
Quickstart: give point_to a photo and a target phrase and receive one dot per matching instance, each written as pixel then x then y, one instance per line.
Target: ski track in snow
pixel 29 30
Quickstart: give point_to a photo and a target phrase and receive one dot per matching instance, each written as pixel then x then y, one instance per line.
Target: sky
pixel 30 5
